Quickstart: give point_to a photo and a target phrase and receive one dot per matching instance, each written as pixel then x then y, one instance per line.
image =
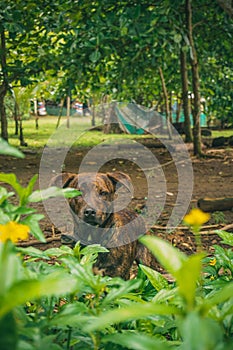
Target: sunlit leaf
pixel 227 237
pixel 136 341
pixel 170 258
pixel 156 279
pixel 56 284
pixel 9 150
pixel 132 312
pixel 188 276
pixel 200 333
pixel 51 192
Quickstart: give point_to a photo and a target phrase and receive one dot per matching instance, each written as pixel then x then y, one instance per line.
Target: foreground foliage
pixel 53 298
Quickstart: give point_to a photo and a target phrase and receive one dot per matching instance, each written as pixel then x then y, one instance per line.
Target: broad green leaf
pixel 200 333
pixel 136 341
pixel 11 179
pixel 187 278
pixel 51 192
pixel 93 249
pixel 4 218
pixel 4 194
pixel 170 258
pixel 29 188
pixel 33 252
pixel 227 237
pixel 95 56
pixel 219 297
pixel 9 150
pixel 164 295
pixel 121 291
pixel 132 312
pixel 72 315
pixel 59 251
pixel 11 269
pixel 33 222
pixel 8 332
pixel 22 192
pixel 23 211
pixel 56 284
pixel 156 279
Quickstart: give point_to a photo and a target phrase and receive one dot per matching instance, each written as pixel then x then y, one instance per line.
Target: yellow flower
pixel 212 262
pixel 13 231
pixel 196 218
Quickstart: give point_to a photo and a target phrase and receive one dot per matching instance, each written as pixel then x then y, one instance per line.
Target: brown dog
pixel 96 221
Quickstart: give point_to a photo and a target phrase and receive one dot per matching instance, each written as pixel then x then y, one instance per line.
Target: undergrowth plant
pixel 50 299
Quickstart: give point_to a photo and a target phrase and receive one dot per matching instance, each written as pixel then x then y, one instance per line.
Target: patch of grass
pixel 79 131
pixel 225 133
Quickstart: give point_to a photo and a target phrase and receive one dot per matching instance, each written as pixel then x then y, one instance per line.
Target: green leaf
pixel 11 179
pixel 171 258
pixel 51 192
pixel 23 211
pixel 59 251
pixel 56 284
pixel 219 297
pixel 4 194
pixel 164 295
pixel 136 341
pixel 155 278
pixel 4 218
pixel 93 249
pixel 33 222
pixel 6 149
pixel 8 332
pixel 227 237
pixel 133 312
pixel 70 315
pixel 10 266
pixel 33 252
pixel 30 186
pixel 22 192
pixel 187 278
pixel 121 291
pixel 95 56
pixel 200 333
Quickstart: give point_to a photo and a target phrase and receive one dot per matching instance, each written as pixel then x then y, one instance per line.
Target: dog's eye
pixel 103 193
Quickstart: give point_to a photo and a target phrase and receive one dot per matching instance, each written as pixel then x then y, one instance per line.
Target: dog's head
pixel 95 204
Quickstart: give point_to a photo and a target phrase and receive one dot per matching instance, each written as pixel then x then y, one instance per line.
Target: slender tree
pixel 196 110
pixel 4 84
pixel 185 96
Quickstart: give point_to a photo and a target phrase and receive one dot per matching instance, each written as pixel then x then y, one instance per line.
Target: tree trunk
pixel 36 113
pixel 166 103
pixel 60 112
pixel 195 83
pixel 215 204
pixel 112 125
pixel 19 124
pixel 185 95
pixel 16 114
pixel 3 86
pixel 68 111
pixel 178 109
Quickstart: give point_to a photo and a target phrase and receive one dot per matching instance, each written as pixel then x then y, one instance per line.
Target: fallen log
pixel 215 204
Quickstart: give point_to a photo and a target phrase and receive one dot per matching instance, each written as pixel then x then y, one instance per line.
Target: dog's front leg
pixel 117 262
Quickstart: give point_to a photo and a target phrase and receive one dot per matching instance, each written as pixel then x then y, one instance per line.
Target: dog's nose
pixel 89 212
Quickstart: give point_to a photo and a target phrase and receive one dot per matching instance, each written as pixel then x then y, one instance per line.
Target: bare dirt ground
pixel 213 177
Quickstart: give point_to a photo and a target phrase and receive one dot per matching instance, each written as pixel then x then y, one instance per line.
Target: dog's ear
pixel 119 178
pixel 63 180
